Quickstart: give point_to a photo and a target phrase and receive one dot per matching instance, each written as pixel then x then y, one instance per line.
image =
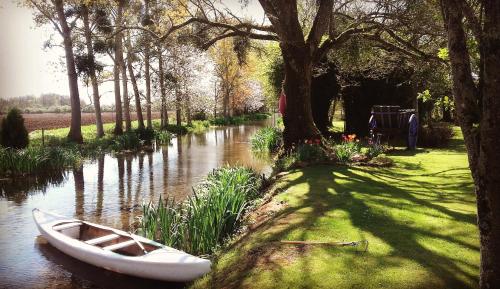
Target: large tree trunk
pixel 118 47
pixel 137 96
pixel 75 130
pixel 480 124
pixel 489 154
pixel 324 89
pixel 163 94
pixel 92 74
pixel 298 120
pixel 147 77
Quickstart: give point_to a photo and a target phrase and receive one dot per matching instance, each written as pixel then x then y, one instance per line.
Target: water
pixel 108 191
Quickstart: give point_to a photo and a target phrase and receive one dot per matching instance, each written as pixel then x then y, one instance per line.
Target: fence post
pixel 43 137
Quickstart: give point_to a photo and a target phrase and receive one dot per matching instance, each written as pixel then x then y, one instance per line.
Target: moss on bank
pixel 418 216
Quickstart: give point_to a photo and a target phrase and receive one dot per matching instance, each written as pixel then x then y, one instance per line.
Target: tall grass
pixel 202 222
pixel 267 139
pixel 37 160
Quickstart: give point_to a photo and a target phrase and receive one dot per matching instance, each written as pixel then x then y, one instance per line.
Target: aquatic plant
pixel 163 137
pixel 206 218
pixel 267 139
pixel 37 160
pixel 127 141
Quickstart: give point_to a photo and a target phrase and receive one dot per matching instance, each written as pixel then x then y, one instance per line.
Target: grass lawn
pixel 89 131
pixel 418 216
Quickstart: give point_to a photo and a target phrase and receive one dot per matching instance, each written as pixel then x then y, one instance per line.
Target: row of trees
pixel 307 31
pixel 155 53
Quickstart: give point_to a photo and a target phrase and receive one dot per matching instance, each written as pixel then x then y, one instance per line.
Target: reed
pixel 206 218
pixel 34 160
pixel 267 139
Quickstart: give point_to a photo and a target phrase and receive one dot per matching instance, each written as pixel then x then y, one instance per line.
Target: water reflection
pixel 110 191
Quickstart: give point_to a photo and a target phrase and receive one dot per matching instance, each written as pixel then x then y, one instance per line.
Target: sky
pixel 26 68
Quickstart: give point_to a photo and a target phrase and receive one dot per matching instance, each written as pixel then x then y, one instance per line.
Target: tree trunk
pixel 188 107
pixel 480 124
pixel 137 96
pixel 92 74
pixel 164 113
pixel 488 173
pixel 178 112
pixel 148 86
pixel 75 130
pixel 215 101
pixel 324 89
pixel 298 120
pixel 126 98
pixel 118 47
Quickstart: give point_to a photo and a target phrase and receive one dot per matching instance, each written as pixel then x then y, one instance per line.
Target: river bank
pixel 418 217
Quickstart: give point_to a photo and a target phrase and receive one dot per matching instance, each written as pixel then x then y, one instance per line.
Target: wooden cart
pixel 391 121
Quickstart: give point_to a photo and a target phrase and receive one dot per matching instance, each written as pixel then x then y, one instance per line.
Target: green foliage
pixel 435 135
pixel 310 153
pixel 163 137
pixel 425 96
pixel 237 120
pixel 176 129
pixel 13 132
pixel 272 73
pixel 443 54
pixel 35 160
pixel 202 222
pixel 127 141
pixel 266 139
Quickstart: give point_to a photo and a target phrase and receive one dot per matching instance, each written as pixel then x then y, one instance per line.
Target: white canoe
pixel 118 251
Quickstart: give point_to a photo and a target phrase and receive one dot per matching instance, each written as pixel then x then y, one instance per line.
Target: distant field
pixel 37 121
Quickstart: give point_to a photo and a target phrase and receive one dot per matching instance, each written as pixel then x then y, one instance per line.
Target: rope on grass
pixel 363 243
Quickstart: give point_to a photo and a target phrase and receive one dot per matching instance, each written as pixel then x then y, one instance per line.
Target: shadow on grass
pixel 367 196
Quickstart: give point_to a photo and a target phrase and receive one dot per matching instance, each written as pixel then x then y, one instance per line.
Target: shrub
pixel 201 223
pixel 310 153
pixel 163 137
pixel 14 133
pixel 145 134
pixel 127 141
pixel 435 135
pixel 266 139
pixel 176 129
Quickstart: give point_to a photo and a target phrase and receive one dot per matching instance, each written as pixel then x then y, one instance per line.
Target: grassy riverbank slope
pixel 418 216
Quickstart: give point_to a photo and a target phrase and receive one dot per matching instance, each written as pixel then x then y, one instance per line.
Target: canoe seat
pixel 66 226
pixel 119 245
pixel 102 239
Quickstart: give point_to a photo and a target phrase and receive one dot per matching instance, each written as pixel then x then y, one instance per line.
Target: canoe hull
pixel 165 263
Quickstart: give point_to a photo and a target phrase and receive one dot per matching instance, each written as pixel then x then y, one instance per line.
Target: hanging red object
pixel 282 103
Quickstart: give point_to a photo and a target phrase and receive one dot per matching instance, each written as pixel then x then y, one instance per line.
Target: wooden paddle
pixel 138 243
